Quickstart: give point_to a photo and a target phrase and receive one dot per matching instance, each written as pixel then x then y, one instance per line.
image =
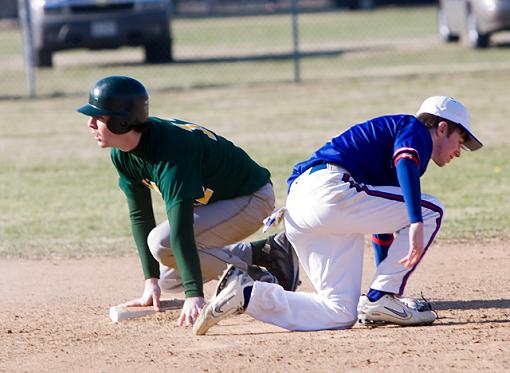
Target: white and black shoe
pixel 392 310
pixel 230 300
pixel 255 272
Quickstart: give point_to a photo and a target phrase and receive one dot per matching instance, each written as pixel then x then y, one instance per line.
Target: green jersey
pixel 186 164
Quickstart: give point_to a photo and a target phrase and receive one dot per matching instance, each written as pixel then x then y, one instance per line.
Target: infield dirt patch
pixel 54 317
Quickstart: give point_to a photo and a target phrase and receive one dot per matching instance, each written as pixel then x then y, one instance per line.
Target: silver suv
pixel 101 24
pixel 473 20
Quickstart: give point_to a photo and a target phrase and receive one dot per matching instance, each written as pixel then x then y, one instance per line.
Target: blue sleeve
pixel 413 141
pixel 408 176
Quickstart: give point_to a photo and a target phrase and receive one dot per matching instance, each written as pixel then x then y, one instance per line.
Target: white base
pixel 120 312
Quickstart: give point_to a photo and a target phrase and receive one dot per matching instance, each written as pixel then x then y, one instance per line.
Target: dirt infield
pixel 53 317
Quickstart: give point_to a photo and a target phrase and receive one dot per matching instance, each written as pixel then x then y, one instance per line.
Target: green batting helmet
pixel 123 99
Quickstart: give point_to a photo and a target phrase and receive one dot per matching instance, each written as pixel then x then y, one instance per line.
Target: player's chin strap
pixel 274 219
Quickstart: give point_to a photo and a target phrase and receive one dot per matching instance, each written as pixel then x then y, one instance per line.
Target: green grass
pixel 58 192
pixel 389 41
pixel 475 192
pixel 334 27
pixel 383 24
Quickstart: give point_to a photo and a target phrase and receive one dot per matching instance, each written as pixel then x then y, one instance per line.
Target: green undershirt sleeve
pixel 182 242
pixel 142 222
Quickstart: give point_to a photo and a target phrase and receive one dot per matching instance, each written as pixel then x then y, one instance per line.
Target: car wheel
pixel 443 29
pixel 475 38
pixel 360 4
pixel 43 58
pixel 159 51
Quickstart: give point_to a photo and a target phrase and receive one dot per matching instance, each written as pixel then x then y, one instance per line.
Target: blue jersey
pixel 370 150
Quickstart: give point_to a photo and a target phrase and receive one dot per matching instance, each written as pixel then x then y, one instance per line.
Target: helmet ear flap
pixel 118 125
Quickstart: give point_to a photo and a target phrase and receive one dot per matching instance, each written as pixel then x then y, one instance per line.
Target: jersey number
pixel 195 127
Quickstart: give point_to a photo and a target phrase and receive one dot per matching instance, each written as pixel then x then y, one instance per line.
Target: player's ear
pixel 442 128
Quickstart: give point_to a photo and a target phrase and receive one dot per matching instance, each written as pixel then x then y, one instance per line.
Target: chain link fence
pixel 221 42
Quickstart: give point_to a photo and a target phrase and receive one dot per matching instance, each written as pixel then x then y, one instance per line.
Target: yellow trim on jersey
pixel 202 201
pixel 207 196
pixel 196 127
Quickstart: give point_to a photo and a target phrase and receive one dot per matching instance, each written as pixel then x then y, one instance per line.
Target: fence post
pixel 296 56
pixel 28 45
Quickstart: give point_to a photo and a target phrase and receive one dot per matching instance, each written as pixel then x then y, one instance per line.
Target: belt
pixel 319 167
pixel 331 166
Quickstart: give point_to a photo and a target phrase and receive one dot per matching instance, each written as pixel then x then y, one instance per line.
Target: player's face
pixel 446 147
pixel 104 137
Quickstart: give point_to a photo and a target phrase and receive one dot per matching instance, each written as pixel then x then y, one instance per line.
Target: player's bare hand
pixel 190 311
pixel 415 245
pixel 150 297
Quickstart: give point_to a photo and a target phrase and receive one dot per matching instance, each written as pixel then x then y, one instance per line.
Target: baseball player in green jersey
pixel 215 195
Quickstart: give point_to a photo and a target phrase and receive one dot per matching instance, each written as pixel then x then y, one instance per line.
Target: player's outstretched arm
pixel 408 175
pixel 150 297
pixel 182 241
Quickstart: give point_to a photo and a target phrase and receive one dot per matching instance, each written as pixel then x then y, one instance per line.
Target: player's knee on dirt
pixel 346 317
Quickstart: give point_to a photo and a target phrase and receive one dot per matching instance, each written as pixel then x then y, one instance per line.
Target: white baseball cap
pixel 451 109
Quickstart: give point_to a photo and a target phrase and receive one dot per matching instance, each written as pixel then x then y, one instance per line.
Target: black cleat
pixel 279 258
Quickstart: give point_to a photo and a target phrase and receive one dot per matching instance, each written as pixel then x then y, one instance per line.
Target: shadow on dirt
pixel 278 56
pixel 502 45
pixel 471 304
pixel 284 56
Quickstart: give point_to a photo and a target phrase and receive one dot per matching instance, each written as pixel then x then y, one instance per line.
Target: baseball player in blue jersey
pixel 364 181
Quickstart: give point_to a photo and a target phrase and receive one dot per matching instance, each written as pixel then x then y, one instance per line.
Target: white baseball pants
pixel 327 216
